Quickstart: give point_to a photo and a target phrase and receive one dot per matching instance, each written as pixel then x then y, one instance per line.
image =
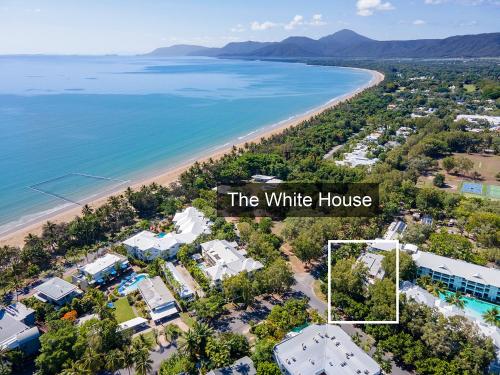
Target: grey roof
pixel 13 332
pixel 374 264
pixel 449 266
pixel 184 290
pixel 19 311
pixel 56 288
pixel 324 349
pixel 243 366
pixel 155 292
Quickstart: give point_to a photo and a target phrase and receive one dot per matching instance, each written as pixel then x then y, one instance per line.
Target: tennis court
pixel 472 188
pixel 493 191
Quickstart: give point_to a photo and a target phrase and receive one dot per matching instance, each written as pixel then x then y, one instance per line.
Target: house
pixel 477 119
pixel 57 291
pixel 189 224
pixel 479 281
pixel 243 366
pixel 395 230
pixel 266 179
pixel 224 260
pixel 17 330
pixel 380 244
pixel 427 219
pixel 160 302
pixel 323 349
pixel 374 264
pixel 135 324
pixel 178 282
pixel 410 248
pixel 106 266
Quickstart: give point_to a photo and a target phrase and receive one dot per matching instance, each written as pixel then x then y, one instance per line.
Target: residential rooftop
pixel 56 288
pixel 102 263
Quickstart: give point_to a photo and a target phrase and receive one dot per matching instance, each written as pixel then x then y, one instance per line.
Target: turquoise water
pixel 67 122
pixel 130 287
pixel 475 306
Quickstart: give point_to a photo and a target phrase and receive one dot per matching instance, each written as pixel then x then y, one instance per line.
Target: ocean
pixel 75 127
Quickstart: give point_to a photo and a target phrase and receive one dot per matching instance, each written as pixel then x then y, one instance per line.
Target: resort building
pixel 243 366
pixel 457 275
pixel 374 264
pixel 477 119
pixel 158 298
pixel 57 291
pixel 97 272
pixel 323 349
pixel 17 329
pixel 189 224
pixel 178 282
pixel 223 259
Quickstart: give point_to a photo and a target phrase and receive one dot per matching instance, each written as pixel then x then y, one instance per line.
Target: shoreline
pixel 16 235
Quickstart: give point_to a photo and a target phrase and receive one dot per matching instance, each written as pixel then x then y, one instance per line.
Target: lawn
pixel 123 310
pixel 149 336
pixel 189 321
pixel 470 88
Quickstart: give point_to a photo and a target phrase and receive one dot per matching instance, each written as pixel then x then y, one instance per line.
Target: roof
pixel 132 323
pixel 324 349
pixel 243 366
pixel 102 263
pixel 394 229
pixel 220 271
pixel 185 291
pixel 19 311
pixel 262 178
pixel 381 244
pixel 56 288
pixel 155 292
pixel 222 250
pixel 374 264
pixel 449 266
pixel 147 240
pixel 13 331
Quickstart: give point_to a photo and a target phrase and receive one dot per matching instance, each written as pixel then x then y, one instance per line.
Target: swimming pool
pixel 130 285
pixel 161 235
pixel 475 306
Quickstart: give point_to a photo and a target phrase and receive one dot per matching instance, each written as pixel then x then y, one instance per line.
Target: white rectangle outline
pixel 330 321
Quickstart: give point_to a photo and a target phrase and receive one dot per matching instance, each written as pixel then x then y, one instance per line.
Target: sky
pixel 138 26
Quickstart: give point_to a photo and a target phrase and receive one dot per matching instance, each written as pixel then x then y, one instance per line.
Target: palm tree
pixel 141 356
pixel 456 299
pixel 436 288
pixel 128 358
pixel 115 360
pixel 76 368
pixel 171 333
pixel 492 316
pixel 190 345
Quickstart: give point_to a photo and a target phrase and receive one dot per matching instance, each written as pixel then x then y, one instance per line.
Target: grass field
pixel 470 88
pixel 189 321
pixel 149 336
pixel 123 310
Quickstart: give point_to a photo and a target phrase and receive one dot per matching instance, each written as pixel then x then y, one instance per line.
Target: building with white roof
pixel 57 291
pixel 225 260
pixel 374 264
pixel 133 324
pixel 323 349
pixel 189 224
pixel 158 298
pixel 17 330
pixel 492 120
pixel 380 244
pixel 395 230
pixel 178 282
pixel 469 278
pixel 96 272
pixel 266 179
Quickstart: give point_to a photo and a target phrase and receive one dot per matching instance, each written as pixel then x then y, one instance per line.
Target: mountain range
pixel 348 44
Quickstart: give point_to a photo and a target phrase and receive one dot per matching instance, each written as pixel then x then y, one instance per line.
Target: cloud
pixel 239 28
pixel 419 22
pixel 258 26
pixel 298 20
pixel 368 7
pixel 464 2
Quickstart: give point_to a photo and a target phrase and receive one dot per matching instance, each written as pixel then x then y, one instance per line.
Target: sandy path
pixel 16 236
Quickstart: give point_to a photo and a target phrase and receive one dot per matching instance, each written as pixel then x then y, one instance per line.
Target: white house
pixel 189 224
pixel 224 260
pixel 323 349
pixel 395 230
pixel 57 291
pixel 17 330
pixel 108 265
pixel 178 282
pixel 374 264
pixel 161 303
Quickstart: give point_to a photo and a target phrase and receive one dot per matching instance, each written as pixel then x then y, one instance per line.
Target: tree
pixel 264 350
pixel 177 364
pixel 277 277
pixel 464 164
pixel 349 277
pixel 218 352
pixel 492 316
pixel 456 299
pixel 115 360
pixel 449 163
pixel 439 180
pixel 208 308
pixel 238 288
pixel 451 245
pixel 407 267
pixel 268 368
pixel 172 333
pixel 306 247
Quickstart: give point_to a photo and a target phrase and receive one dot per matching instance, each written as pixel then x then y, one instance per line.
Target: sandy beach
pixel 16 236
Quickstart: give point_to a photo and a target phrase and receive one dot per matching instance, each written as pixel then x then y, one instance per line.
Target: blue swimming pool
pixel 475 306
pixel 161 235
pixel 130 285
